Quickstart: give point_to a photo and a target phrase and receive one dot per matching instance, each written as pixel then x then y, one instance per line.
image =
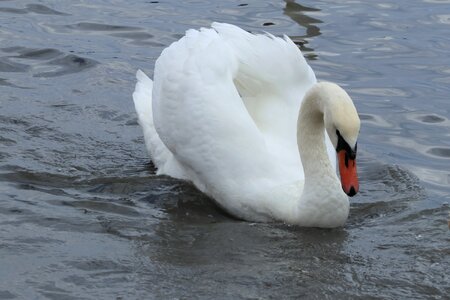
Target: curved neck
pixel 311 136
pixel 323 202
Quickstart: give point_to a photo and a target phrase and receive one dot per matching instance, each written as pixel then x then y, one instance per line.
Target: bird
pixel 243 118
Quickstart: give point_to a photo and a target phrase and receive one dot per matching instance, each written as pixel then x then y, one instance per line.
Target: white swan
pixel 222 112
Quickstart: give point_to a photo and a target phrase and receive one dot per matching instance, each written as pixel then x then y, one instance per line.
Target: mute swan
pixel 230 111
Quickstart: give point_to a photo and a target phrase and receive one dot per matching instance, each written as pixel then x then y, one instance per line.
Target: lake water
pixel 82 215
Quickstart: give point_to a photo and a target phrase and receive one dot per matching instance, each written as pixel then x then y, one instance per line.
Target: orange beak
pixel 349 177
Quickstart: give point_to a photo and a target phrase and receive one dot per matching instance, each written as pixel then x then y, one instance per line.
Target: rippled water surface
pixel 82 215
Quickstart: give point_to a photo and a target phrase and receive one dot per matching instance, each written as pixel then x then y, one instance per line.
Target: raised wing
pixel 272 78
pixel 199 114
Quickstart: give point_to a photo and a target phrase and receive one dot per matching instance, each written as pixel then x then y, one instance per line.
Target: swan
pixel 243 118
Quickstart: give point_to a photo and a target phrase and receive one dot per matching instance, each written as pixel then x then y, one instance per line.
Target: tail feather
pixel 142 98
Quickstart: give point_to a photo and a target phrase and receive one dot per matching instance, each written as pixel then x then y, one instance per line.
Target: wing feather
pixel 198 111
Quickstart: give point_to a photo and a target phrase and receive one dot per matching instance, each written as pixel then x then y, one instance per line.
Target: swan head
pixel 342 124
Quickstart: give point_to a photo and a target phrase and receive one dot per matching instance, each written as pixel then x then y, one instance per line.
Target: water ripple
pixel 439 152
pixel 82 207
pixel 43 62
pixel 32 8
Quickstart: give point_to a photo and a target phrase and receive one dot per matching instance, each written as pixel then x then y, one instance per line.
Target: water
pixel 82 215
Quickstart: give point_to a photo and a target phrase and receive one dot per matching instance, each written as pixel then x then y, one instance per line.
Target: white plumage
pixel 222 112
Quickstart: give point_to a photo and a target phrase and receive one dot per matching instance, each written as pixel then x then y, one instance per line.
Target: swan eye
pixel 343 145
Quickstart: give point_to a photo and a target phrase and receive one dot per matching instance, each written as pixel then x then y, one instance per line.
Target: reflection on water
pixel 296 12
pixel 84 216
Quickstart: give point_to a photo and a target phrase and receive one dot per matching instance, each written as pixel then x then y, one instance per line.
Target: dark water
pixel 82 215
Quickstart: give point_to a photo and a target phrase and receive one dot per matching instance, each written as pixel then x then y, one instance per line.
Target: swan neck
pixel 311 135
pixel 323 202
